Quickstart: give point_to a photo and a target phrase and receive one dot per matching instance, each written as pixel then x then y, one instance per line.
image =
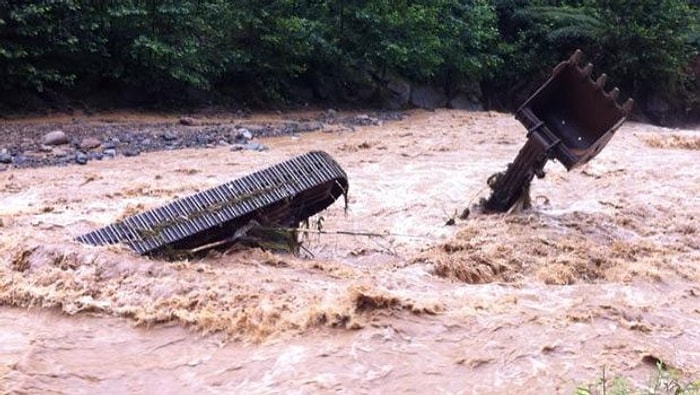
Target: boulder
pixel 253 128
pixel 81 158
pixel 5 158
pixel 397 94
pixel 56 137
pixel 428 97
pixel 90 143
pixel 309 126
pixel 131 151
pixel 242 134
pixel 189 121
pixel 464 102
pixel 466 96
pixel 248 147
pixel 169 136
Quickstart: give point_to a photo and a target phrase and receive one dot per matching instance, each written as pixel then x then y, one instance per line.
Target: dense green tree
pixel 637 42
pixel 259 51
pixel 38 43
pixel 645 46
pixel 163 45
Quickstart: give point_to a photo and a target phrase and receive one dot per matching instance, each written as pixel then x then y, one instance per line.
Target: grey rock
pixel 110 144
pixel 289 128
pixel 362 120
pixel 60 153
pixel 428 97
pixel 5 157
pixel 466 96
pixel 359 89
pixel 202 139
pixel 249 147
pixel 242 136
pixel 81 158
pixel 255 147
pixel 89 143
pixel 20 160
pixel 111 152
pixel 397 94
pixel 310 126
pixel 255 129
pixel 464 102
pixel 169 136
pixel 146 142
pixel 56 137
pixel 189 121
pixel 244 133
pixel 131 151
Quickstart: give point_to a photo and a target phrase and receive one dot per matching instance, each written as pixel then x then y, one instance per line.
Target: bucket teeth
pixel 587 70
pixel 601 81
pixel 627 107
pixel 614 93
pixel 281 195
pixel 575 58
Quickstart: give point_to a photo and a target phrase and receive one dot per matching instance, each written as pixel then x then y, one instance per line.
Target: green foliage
pixel 419 40
pixel 37 42
pixel 160 44
pixel 261 48
pixel 636 42
pixel 645 46
pixel 663 382
pixel 273 42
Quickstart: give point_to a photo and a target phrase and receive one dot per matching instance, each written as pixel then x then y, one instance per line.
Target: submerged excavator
pixel 570 118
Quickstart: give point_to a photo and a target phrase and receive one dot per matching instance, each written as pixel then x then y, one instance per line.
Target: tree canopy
pixel 256 52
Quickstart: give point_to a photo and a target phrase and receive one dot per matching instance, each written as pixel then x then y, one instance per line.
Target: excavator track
pixel 282 195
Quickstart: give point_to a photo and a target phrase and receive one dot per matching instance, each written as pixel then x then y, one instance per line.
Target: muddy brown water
pixel 602 272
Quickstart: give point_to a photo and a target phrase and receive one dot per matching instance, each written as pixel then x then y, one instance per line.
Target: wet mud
pixel 602 271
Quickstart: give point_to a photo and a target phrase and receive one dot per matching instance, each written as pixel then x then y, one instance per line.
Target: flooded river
pixel 602 273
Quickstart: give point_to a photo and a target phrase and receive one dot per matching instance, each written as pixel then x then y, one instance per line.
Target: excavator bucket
pixel 574 112
pixel 570 118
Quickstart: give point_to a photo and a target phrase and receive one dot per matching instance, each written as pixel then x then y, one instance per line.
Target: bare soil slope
pixel 603 271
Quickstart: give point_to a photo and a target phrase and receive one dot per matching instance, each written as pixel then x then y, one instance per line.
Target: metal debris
pixel 280 196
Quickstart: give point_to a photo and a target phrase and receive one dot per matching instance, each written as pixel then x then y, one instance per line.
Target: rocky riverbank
pixel 80 140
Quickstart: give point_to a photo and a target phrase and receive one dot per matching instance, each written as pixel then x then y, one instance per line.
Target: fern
pixel 567 24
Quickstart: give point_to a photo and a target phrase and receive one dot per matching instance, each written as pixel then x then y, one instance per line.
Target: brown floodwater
pixel 602 273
